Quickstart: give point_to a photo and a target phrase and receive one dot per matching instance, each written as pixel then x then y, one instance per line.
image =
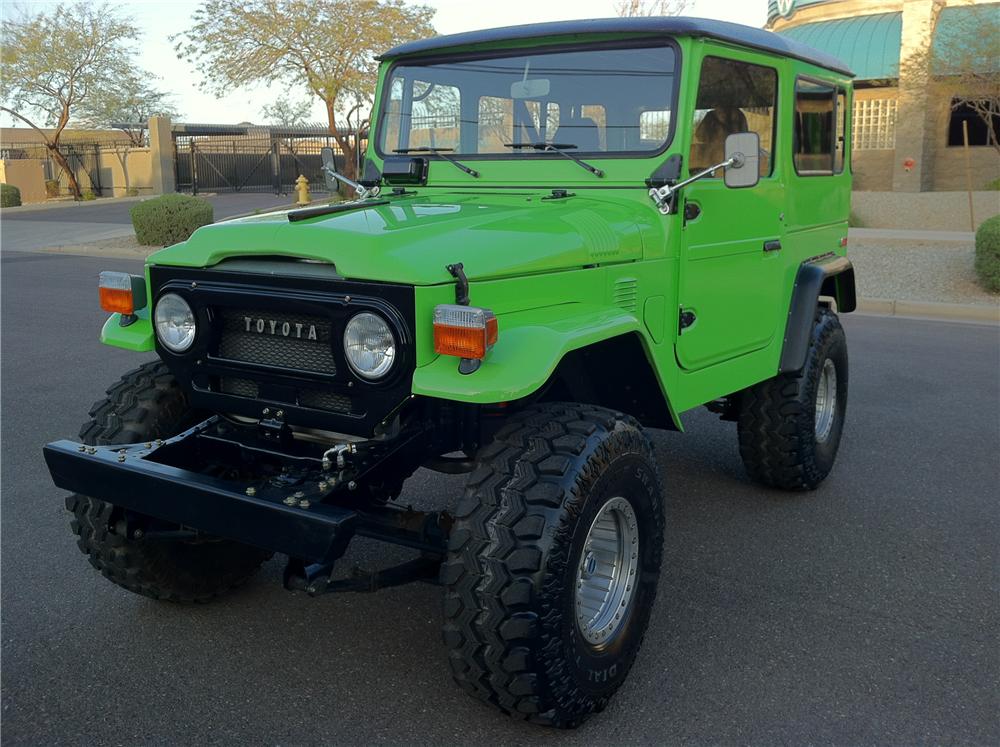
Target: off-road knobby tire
pixel 147 404
pixel 510 573
pixel 777 419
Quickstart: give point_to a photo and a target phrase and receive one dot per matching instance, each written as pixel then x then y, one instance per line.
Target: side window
pixel 733 97
pixel 817 149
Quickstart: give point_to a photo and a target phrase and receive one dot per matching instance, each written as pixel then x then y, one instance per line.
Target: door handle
pixel 772 246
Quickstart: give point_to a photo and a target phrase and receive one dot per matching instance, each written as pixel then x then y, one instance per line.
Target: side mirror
pixel 329 165
pixel 743 150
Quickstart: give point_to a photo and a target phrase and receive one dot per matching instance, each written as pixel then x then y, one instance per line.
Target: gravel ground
pixel 941 272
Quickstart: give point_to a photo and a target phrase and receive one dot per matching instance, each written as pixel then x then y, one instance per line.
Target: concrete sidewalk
pixel 897 234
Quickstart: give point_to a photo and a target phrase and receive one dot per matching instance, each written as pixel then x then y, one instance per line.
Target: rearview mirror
pixel 743 149
pixel 329 165
pixel 530 89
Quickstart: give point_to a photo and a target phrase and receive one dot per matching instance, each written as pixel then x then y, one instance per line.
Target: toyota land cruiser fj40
pixel 562 233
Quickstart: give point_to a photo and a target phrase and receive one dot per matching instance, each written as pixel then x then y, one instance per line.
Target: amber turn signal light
pixel 464 331
pixel 121 293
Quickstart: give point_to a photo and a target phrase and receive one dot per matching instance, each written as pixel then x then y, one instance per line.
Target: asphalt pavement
pixel 863 613
pixel 59 224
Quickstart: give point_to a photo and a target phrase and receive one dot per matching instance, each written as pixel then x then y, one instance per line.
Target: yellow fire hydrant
pixel 302 187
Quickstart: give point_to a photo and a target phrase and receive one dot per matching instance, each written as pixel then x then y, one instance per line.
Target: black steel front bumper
pixel 145 479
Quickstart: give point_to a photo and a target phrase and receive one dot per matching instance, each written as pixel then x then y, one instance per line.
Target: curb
pixel 953 312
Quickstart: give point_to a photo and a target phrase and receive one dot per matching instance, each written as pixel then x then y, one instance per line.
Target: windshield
pixel 591 101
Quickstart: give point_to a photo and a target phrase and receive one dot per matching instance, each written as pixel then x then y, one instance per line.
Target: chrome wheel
pixel 606 577
pixel 826 400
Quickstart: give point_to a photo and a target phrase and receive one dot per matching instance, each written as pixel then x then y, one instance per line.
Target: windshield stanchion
pixel 561 149
pixel 439 152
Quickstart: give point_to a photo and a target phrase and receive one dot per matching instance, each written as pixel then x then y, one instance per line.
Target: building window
pixel 874 124
pixel 979 133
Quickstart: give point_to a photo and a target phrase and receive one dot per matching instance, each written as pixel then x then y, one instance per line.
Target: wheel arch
pixel 828 275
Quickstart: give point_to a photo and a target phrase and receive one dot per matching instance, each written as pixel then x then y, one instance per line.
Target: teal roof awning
pixel 869 45
pixel 956 26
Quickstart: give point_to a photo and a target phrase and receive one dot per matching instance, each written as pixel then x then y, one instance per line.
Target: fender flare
pixel 826 275
pixel 530 347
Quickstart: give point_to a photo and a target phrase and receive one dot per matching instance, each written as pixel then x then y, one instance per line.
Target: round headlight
pixel 175 323
pixel 369 345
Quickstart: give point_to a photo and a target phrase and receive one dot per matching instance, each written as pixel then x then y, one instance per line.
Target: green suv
pixel 563 233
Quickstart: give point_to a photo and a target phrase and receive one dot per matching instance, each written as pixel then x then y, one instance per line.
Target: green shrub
pixel 52 187
pixel 988 253
pixel 993 185
pixel 10 196
pixel 169 219
pixel 88 195
pixel 854 221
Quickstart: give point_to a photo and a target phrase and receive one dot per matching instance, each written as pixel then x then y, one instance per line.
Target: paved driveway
pixel 863 613
pixel 28 228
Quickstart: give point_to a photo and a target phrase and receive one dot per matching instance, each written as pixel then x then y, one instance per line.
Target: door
pixel 731 270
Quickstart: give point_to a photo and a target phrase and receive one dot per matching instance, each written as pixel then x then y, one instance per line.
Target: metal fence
pixel 83 158
pixel 217 159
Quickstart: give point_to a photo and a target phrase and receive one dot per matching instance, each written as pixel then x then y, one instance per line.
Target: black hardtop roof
pixel 735 33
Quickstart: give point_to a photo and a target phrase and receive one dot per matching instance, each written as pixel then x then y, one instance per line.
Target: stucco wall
pixel 27 175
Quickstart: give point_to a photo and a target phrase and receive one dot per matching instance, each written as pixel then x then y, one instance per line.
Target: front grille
pixel 239 387
pixel 271 338
pixel 321 399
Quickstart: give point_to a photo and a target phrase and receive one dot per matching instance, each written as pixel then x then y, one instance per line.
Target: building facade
pixel 907 131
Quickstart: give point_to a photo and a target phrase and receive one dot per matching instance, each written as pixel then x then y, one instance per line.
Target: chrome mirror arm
pixel 664 196
pixel 363 193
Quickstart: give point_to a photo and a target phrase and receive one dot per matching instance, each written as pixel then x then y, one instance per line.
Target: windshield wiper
pixel 440 152
pixel 561 149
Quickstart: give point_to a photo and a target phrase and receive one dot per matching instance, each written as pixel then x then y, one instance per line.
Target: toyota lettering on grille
pixel 295 330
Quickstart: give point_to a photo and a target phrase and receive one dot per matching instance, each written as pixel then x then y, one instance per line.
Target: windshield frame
pixel 650 41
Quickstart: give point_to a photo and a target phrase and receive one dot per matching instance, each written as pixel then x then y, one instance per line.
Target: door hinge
pixel 686 319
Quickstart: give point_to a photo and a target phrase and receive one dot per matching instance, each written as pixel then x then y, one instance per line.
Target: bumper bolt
pixel 159 442
pixel 291 500
pixel 267 411
pixel 323 485
pixel 303 504
pixel 137 534
pixel 352 485
pixel 121 457
pixel 298 494
pixel 81 447
pixel 148 444
pixel 251 491
pixel 279 414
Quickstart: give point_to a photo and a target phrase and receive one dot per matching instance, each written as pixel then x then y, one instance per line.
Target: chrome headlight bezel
pixel 387 353
pixel 175 323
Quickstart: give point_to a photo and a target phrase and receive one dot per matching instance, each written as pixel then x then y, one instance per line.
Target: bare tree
pixel 327 45
pixel 964 66
pixel 284 112
pixel 126 105
pixel 53 62
pixel 633 8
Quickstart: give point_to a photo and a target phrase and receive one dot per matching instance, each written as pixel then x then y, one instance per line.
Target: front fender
pixel 530 346
pixel 137 336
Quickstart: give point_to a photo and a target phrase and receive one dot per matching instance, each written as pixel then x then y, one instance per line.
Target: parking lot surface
pixel 862 613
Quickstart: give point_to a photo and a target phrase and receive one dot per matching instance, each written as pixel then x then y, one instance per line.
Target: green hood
pixel 412 239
